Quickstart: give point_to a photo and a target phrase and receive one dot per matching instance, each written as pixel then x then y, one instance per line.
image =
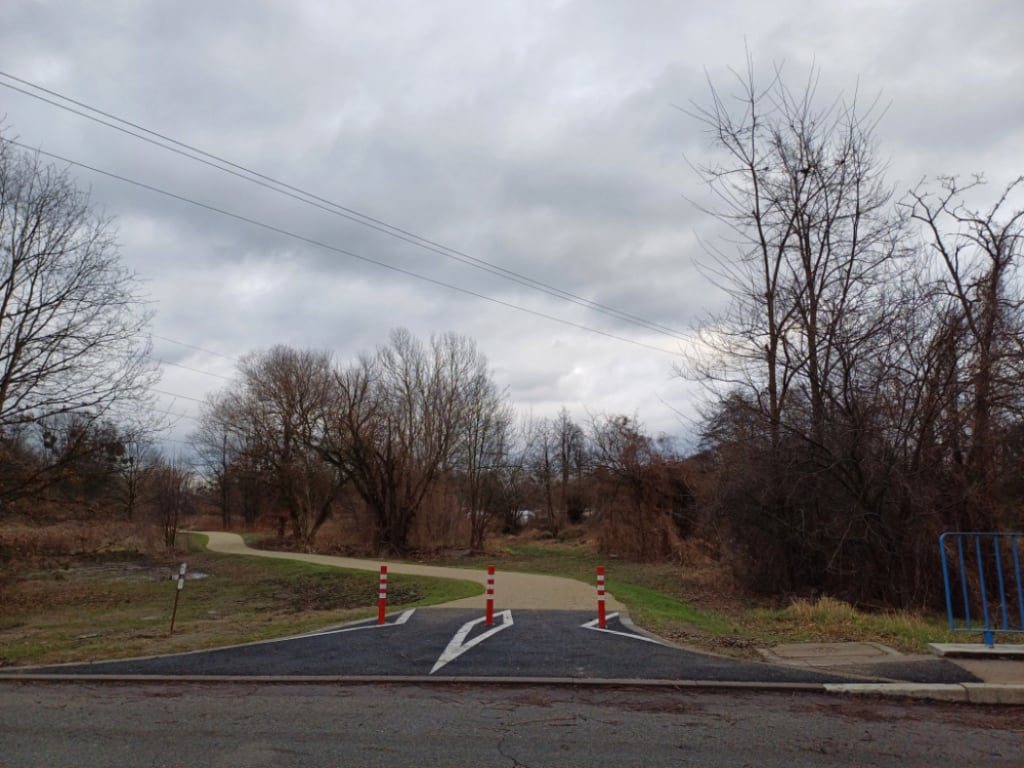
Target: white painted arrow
pixel 458 646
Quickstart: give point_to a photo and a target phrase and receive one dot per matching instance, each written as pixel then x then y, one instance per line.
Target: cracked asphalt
pixel 325 726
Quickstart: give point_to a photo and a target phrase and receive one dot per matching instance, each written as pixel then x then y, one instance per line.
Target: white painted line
pixel 593 625
pixel 404 617
pixel 457 647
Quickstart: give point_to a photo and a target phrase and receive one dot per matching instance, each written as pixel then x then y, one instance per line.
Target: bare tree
pixel 809 376
pixel 72 323
pixel 268 422
pixel 219 445
pixel 980 253
pixel 543 461
pixel 802 190
pixel 137 458
pixel 636 488
pixel 481 453
pixel 396 421
pixel 171 497
pixel 514 479
pixel 572 458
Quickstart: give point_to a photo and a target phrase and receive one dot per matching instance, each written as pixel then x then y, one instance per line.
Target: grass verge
pixel 119 605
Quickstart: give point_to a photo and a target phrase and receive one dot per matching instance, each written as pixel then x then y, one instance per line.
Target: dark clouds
pixel 543 137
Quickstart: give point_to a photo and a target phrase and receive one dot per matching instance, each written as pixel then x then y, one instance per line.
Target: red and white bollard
pixel 490 595
pixel 382 598
pixel 600 597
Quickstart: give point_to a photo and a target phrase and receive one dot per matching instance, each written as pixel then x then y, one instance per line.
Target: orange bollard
pixel 382 598
pixel 490 595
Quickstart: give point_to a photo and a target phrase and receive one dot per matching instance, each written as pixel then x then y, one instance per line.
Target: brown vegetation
pixel 865 379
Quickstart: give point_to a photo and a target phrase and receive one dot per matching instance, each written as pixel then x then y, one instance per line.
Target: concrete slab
pixel 831 650
pixel 828 654
pixel 978 650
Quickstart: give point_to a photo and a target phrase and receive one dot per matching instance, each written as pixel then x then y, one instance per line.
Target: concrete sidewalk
pixel 523 591
pixel 989 676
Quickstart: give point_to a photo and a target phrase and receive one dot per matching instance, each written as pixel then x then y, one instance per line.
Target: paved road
pixel 444 642
pixel 187 725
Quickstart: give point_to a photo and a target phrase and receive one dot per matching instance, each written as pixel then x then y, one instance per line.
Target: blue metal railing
pixel 985 569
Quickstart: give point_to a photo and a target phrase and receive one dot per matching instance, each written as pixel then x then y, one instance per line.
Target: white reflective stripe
pixel 457 647
pixel 593 625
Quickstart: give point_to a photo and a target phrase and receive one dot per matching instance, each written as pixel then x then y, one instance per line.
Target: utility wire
pixel 193 346
pixel 172 394
pixel 309 198
pixel 335 249
pixel 195 370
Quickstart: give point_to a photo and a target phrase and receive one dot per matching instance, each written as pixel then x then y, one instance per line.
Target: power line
pixel 336 249
pixel 193 346
pixel 172 394
pixel 247 174
pixel 195 370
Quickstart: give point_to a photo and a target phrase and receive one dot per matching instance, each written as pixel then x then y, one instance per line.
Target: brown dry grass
pixel 71 596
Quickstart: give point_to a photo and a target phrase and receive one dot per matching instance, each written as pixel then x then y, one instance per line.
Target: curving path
pixel 525 591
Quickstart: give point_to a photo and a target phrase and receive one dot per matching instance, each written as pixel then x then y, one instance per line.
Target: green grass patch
pixel 659 612
pixel 121 606
pixel 694 604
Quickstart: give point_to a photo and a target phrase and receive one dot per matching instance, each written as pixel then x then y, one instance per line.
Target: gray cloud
pixel 540 136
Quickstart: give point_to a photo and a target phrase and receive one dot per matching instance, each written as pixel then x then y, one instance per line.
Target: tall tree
pixel 171 497
pixel 481 454
pixel 72 322
pixel 802 189
pixel 980 253
pixel 798 359
pixel 397 418
pixel 270 419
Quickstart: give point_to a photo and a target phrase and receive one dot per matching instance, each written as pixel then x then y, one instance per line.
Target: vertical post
pixel 177 594
pixel 600 597
pixel 382 597
pixel 490 595
pixel 989 637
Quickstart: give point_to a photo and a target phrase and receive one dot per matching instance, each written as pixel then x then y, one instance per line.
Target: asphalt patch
pixel 931 672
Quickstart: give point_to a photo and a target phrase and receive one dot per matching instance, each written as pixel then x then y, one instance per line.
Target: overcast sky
pixel 544 138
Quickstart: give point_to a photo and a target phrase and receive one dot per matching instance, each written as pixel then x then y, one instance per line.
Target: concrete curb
pixel 968 693
pixel 690 685
pixel 962 693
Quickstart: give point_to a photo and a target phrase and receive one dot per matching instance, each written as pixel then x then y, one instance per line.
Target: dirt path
pixel 524 591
